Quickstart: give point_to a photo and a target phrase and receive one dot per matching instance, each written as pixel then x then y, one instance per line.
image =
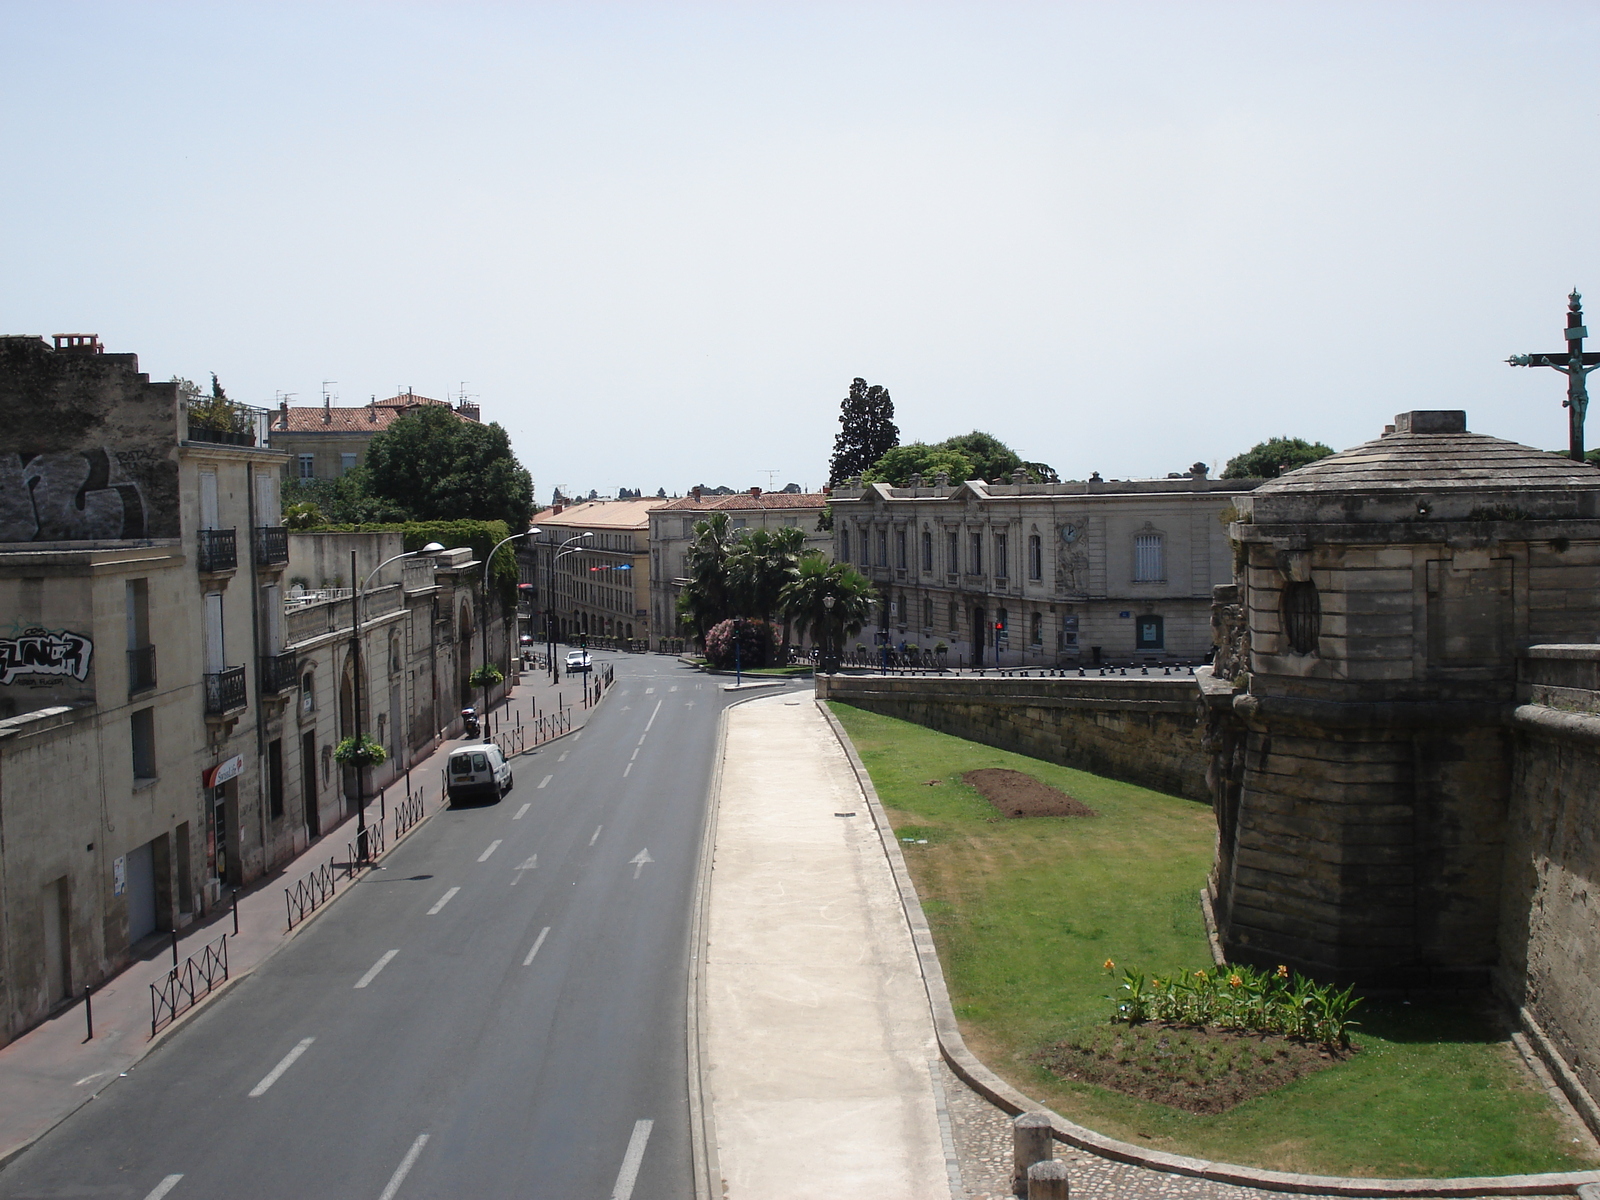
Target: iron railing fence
pixel 278 672
pixel 408 812
pixel 141 669
pixel 272 545
pixel 188 983
pixel 225 690
pixel 218 550
pixel 357 855
pixel 303 898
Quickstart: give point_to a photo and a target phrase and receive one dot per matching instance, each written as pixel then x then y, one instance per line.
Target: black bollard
pixel 235 912
pixel 88 1010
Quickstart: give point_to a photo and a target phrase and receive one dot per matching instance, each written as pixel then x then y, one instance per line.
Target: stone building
pixel 672 532
pixel 1363 760
pixel 325 441
pixel 599 585
pixel 1039 574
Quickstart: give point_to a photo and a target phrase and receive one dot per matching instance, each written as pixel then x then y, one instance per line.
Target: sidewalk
pixel 50 1071
pixel 820 1054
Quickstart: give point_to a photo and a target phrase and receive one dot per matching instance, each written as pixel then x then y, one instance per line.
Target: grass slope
pixel 1025 913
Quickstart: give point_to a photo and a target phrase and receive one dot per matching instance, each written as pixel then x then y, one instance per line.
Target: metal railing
pixel 303 898
pixel 355 858
pixel 225 691
pixel 408 812
pixel 272 545
pixel 219 550
pixel 188 983
pixel 141 669
pixel 278 672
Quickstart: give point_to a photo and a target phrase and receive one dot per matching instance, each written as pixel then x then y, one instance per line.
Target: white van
pixel 477 770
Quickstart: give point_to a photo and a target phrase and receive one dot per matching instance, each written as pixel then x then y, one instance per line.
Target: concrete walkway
pixel 820 1049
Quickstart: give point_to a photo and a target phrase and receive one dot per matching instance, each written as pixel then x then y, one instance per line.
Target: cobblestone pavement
pixel 982 1136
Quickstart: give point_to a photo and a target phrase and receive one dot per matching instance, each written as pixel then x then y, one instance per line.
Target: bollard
pixel 1048 1181
pixel 174 947
pixel 235 912
pixel 88 1010
pixel 1030 1141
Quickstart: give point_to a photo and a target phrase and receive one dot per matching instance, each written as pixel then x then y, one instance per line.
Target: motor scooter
pixel 469 722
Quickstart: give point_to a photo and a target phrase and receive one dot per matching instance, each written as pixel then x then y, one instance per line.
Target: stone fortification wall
pixel 1550 896
pixel 1142 729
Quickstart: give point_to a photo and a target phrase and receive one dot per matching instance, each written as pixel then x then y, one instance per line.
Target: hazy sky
pixel 657 241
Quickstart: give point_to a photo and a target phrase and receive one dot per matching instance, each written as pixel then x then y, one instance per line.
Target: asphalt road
pixel 499 1012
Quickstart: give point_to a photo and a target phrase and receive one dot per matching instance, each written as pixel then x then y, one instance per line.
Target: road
pixel 498 1012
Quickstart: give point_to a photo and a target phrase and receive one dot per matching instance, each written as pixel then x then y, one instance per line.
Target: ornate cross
pixel 1575 365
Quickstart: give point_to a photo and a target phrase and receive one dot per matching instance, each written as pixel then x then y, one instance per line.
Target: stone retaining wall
pixel 1141 729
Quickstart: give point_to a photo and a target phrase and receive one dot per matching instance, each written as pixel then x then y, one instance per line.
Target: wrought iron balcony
pixel 219 550
pixel 272 545
pixel 278 672
pixel 225 691
pixel 141 669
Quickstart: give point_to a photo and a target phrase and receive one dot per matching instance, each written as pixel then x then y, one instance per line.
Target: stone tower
pixel 1359 704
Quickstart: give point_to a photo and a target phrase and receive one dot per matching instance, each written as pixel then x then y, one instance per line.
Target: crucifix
pixel 1575 365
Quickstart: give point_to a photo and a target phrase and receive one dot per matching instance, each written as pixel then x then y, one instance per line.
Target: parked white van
pixel 478 770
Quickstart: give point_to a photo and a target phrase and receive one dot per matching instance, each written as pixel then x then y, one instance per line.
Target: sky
pixel 657 241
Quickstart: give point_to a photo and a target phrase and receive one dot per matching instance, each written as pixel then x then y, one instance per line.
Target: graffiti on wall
pixel 37 655
pixel 70 496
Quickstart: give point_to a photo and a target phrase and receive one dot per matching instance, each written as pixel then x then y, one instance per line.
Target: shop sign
pixel 220 774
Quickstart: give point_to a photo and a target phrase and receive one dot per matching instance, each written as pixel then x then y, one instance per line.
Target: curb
pixel 965 1064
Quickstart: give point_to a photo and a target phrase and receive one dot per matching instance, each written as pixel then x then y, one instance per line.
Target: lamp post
pixel 483 616
pixel 830 657
pixel 738 669
pixel 357 596
pixel 558 550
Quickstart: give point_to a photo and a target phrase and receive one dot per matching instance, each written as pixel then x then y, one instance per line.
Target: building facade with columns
pixel 1042 574
pixel 600 587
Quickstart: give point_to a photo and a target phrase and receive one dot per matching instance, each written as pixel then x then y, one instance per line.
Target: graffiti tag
pixel 69 496
pixel 42 652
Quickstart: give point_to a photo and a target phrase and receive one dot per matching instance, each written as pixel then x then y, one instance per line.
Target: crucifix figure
pixel 1575 365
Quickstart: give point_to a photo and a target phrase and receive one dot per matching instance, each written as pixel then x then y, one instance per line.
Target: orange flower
pixel 1235 981
pixel 1283 971
pixel 1199 974
pixel 1109 964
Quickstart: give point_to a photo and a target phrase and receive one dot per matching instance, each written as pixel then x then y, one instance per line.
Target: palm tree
pixel 804 600
pixel 760 563
pixel 705 599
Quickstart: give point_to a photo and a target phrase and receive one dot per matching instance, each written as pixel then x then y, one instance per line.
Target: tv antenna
pixel 326 398
pixel 771 475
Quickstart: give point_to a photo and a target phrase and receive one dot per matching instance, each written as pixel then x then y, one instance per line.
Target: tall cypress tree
pixel 869 431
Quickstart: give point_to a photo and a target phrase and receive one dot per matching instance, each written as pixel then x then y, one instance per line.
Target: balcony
pixel 278 673
pixel 225 691
pixel 141 669
pixel 272 546
pixel 219 551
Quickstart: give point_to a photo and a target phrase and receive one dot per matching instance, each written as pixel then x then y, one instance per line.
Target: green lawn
pixel 1025 913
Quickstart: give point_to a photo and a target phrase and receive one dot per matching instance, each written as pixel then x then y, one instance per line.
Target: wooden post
pixel 1048 1181
pixel 1030 1141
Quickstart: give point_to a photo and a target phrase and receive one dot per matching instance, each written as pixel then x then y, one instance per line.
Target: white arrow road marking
pixel 493 846
pixel 649 691
pixel 527 866
pixel 639 860
pixel 284 1064
pixel 629 1175
pixel 593 837
pixel 546 780
pixel 652 719
pixel 372 972
pixel 522 812
pixel 673 688
pixel 165 1186
pixel 443 900
pixel 404 1168
pixel 537 942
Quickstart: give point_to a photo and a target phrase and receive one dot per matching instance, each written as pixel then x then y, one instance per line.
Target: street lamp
pixel 830 657
pixel 357 597
pixel 483 621
pixel 559 550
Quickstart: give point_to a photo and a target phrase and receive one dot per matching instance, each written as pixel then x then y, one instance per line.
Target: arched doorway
pixel 979 629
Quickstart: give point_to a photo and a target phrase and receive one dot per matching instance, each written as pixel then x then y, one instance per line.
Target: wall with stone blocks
pixel 1141 729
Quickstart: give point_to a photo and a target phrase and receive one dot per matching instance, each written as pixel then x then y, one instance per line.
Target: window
pixel 1149 633
pixel 927 614
pixel 955 618
pixel 308 693
pixel 688 527
pixel 951 553
pixel 143 723
pixel 1036 629
pixel 975 557
pixel 927 552
pixel 900 549
pixel 1302 615
pixel 1001 543
pixel 275 779
pixel 900 611
pixel 883 547
pixel 1035 558
pixel 347 463
pixel 844 545
pixel 308 466
pixel 1067 639
pixel 1148 564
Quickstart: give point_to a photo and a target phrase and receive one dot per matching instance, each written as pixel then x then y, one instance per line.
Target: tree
pixel 991 458
pixel 439 467
pixel 804 600
pixel 918 458
pixel 1269 459
pixel 760 564
pixel 869 431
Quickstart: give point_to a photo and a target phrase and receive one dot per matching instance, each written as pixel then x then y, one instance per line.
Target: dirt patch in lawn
pixel 1015 794
pixel 1199 1070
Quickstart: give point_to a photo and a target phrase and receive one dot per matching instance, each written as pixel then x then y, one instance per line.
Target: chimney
pixel 327 409
pixel 283 414
pixel 755 491
pixel 372 410
pixel 695 491
pixel 555 509
pixel 1199 471
pixel 80 343
pixel 469 410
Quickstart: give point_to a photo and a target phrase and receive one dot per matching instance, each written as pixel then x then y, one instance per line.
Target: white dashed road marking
pixel 539 941
pixel 493 846
pixel 372 972
pixel 404 1168
pixel 522 812
pixel 629 1174
pixel 165 1186
pixel 546 780
pixel 443 900
pixel 284 1064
